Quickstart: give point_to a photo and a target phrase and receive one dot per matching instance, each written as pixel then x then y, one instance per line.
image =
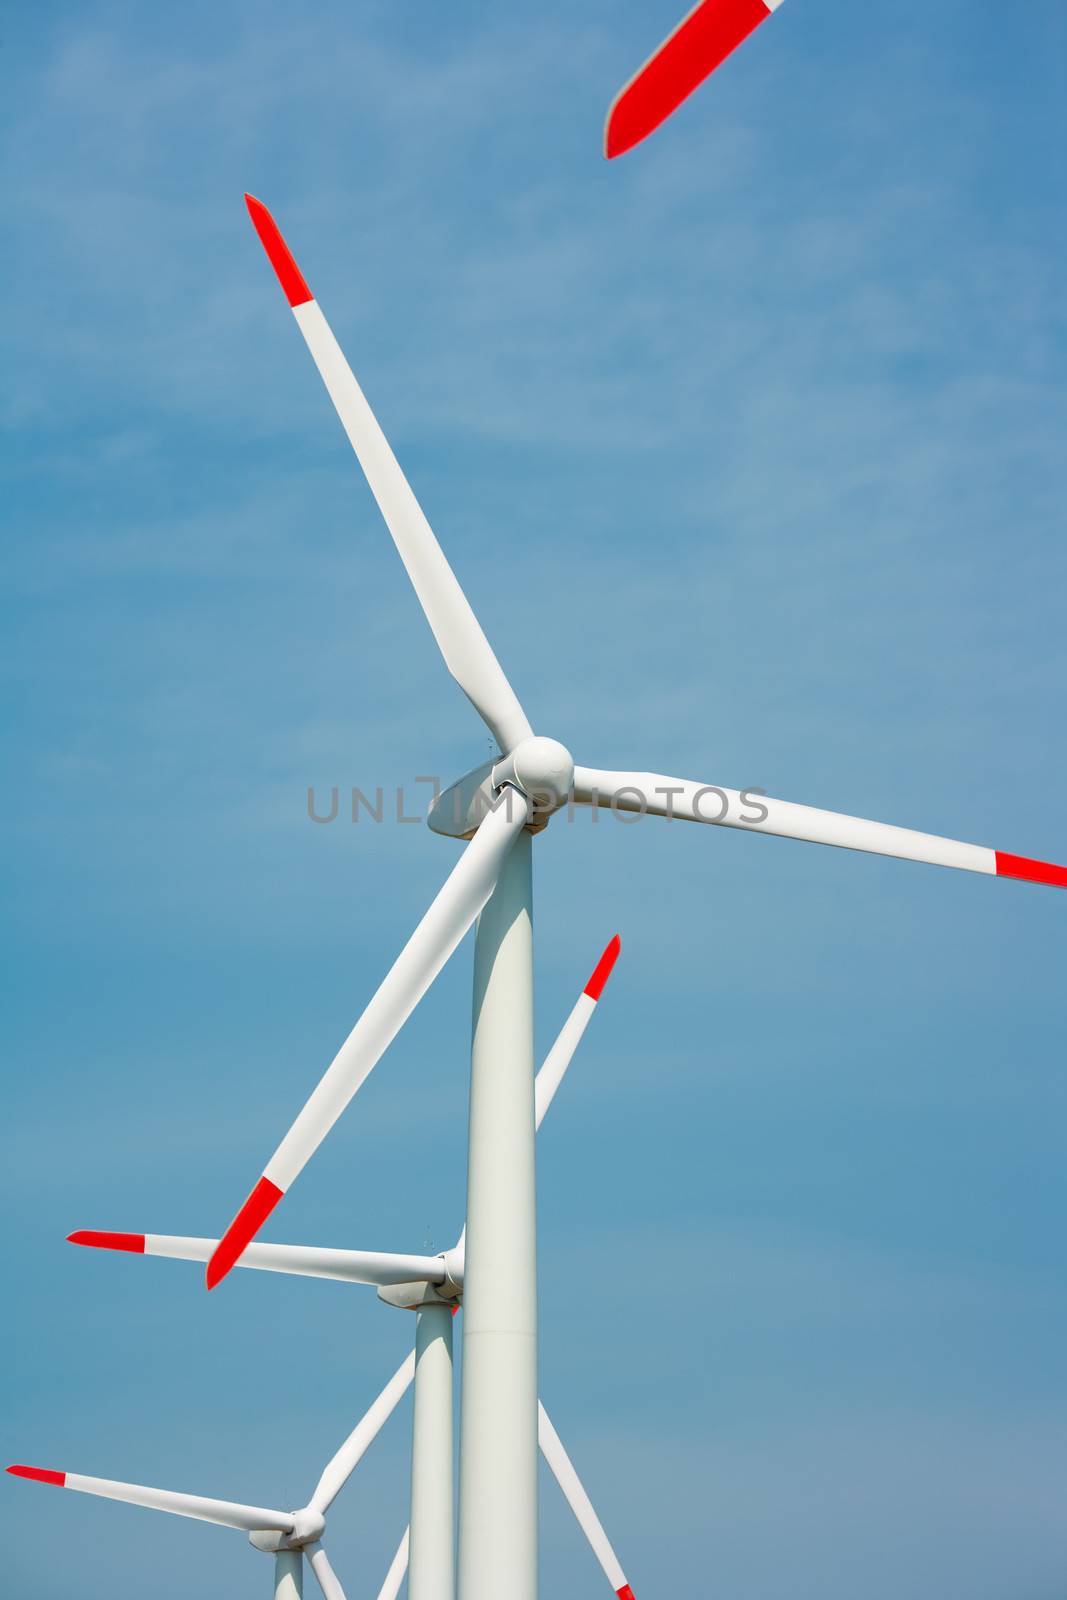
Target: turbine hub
pixel 543 769
pixel 308 1525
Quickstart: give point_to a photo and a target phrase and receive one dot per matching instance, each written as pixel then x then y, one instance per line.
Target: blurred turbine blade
pixel 701 41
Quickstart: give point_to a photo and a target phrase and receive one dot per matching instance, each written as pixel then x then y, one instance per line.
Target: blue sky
pixel 748 451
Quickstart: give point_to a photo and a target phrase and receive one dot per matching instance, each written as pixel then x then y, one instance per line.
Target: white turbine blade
pixel 754 812
pixel 701 42
pixel 580 1504
pixel 467 652
pixel 227 1513
pixel 328 1580
pixel 459 902
pixel 559 1057
pixel 366 1430
pixel 304 1261
pixel 397 1571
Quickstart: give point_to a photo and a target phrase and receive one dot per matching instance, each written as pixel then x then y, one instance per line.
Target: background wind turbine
pixel 287 1535
pixel 432 1286
pixel 497 807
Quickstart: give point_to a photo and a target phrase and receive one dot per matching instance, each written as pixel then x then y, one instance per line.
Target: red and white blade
pixel 467 653
pixel 559 1057
pixel 580 1503
pixel 226 1513
pixel 700 43
pixel 751 811
pixel 380 1268
pixel 459 901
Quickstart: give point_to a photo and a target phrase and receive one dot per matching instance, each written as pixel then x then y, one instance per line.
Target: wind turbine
pixel 287 1535
pixel 432 1287
pixel 291 1535
pixel 499 807
pixel 701 42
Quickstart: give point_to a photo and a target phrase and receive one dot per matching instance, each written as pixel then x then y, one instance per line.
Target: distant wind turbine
pixel 432 1286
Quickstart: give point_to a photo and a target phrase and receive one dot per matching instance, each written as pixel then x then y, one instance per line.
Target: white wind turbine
pixel 498 807
pixel 290 1536
pixel 432 1286
pixel 287 1535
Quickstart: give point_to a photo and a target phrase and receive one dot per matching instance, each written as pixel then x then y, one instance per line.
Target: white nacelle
pixel 270 1541
pixel 542 769
pixel 308 1527
pixel 413 1296
pixel 410 1296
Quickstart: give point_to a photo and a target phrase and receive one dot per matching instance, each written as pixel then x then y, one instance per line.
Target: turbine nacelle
pixel 308 1527
pixel 445 1289
pixel 539 768
pixel 455 1262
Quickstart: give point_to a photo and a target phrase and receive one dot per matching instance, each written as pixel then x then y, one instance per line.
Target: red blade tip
pixel 280 256
pixel 625 1593
pixel 1031 871
pixel 602 971
pixel 696 47
pixel 243 1229
pixel 134 1242
pixel 38 1474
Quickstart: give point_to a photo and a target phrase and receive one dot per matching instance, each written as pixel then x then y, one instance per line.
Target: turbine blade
pixel 754 812
pixel 304 1261
pixel 227 1513
pixel 458 903
pixel 701 41
pixel 466 651
pixel 328 1580
pixel 394 1578
pixel 559 1057
pixel 580 1504
pixel 339 1469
